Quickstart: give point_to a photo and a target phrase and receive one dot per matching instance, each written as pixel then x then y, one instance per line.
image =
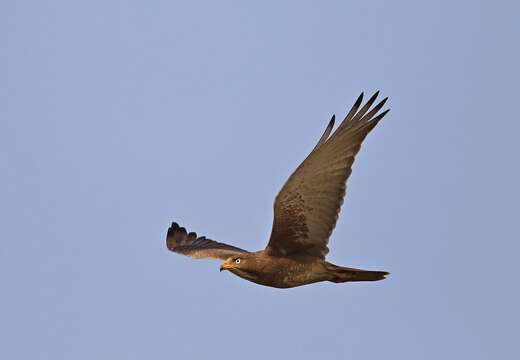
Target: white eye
pixel 237 261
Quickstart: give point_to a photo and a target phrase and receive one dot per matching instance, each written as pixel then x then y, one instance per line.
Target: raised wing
pixel 306 208
pixel 180 241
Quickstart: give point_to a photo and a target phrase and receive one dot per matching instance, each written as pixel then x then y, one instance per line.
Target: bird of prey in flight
pixel 305 213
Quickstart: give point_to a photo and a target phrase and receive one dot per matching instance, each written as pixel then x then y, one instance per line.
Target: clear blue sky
pixel 117 117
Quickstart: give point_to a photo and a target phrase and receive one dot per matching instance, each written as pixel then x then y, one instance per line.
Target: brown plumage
pixel 305 212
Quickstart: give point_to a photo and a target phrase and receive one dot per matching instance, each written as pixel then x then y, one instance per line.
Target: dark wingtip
pixel 372 99
pixel 170 244
pixel 176 235
pixel 377 107
pixel 382 115
pixel 174 228
pixel 359 100
pixel 332 120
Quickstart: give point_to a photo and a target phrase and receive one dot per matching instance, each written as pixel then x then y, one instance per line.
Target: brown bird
pixel 305 213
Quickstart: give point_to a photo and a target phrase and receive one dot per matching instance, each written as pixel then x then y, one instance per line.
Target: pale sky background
pixel 118 117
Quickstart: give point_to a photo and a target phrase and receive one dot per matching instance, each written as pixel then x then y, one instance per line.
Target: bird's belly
pixel 287 274
pixel 303 275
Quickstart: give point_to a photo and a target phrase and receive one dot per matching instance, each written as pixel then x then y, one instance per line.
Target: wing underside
pixel 181 242
pixel 307 207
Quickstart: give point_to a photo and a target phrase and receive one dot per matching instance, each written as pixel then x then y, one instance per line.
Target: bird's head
pixel 233 262
pixel 238 263
pixel 244 265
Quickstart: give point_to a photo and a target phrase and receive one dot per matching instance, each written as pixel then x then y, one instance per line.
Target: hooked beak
pixel 224 266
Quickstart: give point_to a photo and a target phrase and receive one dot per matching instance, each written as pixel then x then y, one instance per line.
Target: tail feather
pixel 341 274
